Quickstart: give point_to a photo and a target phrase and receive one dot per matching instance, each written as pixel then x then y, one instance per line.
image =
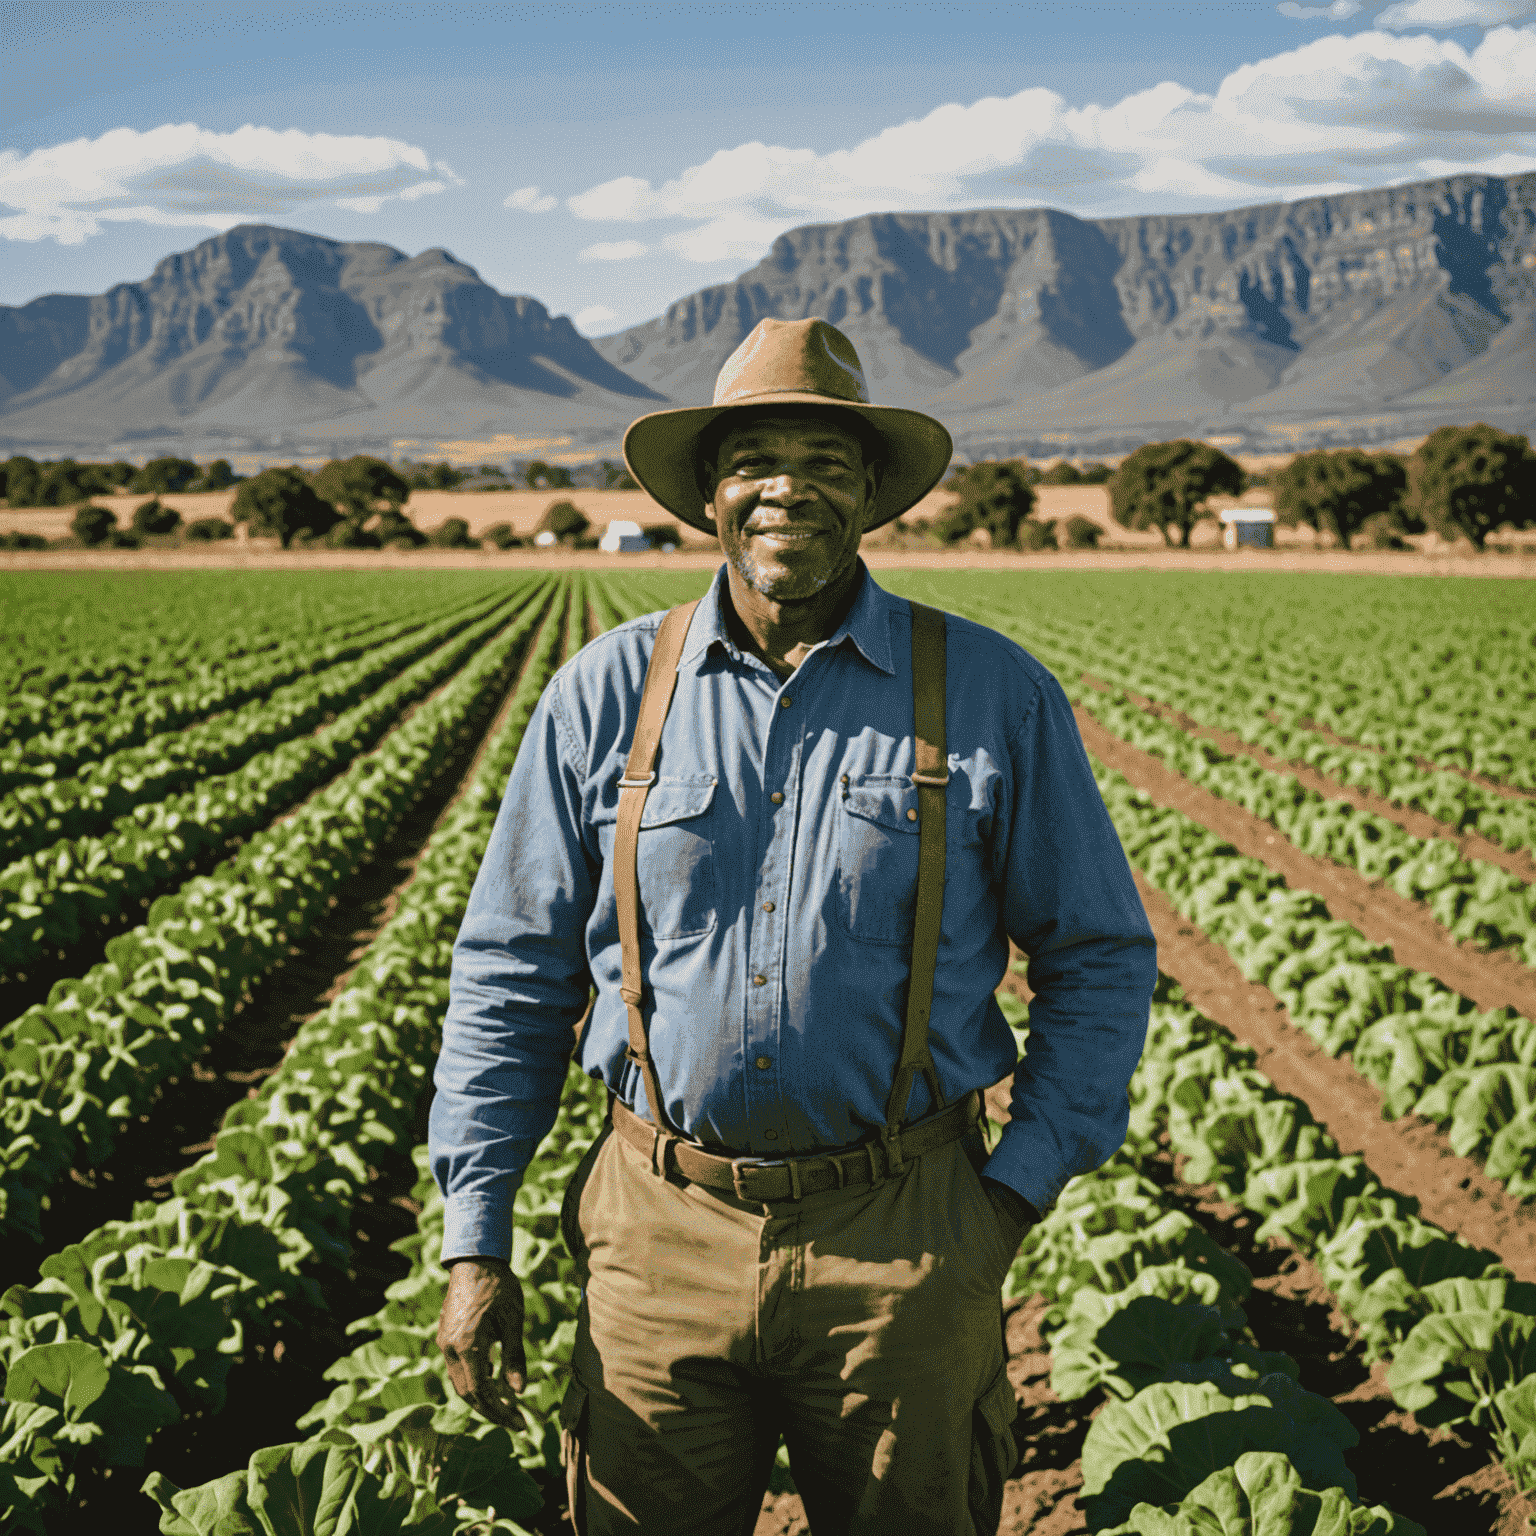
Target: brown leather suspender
pixel 639 775
pixel 930 775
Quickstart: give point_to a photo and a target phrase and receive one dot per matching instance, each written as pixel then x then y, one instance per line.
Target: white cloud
pixel 613 250
pixel 594 319
pixel 1453 13
pixel 1335 114
pixel 1340 10
pixel 530 200
pixel 180 174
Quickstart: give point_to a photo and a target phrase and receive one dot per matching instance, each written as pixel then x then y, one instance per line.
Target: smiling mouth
pixel 792 534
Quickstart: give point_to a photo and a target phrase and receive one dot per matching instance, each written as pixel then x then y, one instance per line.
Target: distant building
pixel 1253 527
pixel 623 538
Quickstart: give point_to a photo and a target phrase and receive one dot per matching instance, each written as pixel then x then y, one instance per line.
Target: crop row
pixel 1428 1049
pixel 1236 696
pixel 77 1067
pixel 51 725
pixel 140 1323
pixel 1469 898
pixel 56 899
pixel 110 786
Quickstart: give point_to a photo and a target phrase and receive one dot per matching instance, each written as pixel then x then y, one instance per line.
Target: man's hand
pixel 1014 1213
pixel 484 1306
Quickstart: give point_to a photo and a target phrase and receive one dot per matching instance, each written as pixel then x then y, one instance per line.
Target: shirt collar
pixel 868 624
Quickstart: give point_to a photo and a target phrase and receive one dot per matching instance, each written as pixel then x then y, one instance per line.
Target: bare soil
pixel 1491 980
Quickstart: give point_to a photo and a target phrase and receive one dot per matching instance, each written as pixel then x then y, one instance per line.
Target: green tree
pixel 207 530
pixel 565 520
pixel 1080 533
pixel 1165 486
pixel 452 534
pixel 164 474
pixel 502 535
pixel 357 485
pixel 1338 491
pixel 994 495
pixel 431 477
pixel 93 526
pixel 397 531
pixel 281 503
pixel 60 484
pixel 218 476
pixel 1095 474
pixel 18 481
pixel 616 477
pixel 1064 473
pixel 120 472
pixel 546 477
pixel 154 517
pixel 1470 481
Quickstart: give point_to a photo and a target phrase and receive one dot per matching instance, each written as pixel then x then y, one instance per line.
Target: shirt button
pixel 785 702
pixel 764 1062
pixel 759 981
pixel 767 906
pixel 777 798
pixel 911 815
pixel 770 1135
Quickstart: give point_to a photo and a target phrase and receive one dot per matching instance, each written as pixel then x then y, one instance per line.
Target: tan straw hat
pixel 788 362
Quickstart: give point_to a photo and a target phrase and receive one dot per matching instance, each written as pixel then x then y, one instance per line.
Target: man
pixel 786 835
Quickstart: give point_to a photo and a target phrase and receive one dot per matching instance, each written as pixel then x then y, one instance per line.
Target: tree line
pixel 1462 482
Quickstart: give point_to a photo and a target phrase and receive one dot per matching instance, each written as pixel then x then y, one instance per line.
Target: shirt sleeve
pixel 1071 905
pixel 518 987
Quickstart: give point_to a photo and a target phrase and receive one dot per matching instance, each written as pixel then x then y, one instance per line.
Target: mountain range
pixel 1360 317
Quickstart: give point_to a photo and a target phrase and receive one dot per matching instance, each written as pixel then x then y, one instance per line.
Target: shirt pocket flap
pixel 889 802
pixel 673 800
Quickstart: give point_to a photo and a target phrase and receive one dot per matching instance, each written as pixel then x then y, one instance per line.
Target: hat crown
pixel 810 357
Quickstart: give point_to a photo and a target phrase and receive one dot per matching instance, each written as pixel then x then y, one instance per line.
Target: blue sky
pixel 608 158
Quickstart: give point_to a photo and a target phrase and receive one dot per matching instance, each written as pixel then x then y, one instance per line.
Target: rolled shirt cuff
pixel 1022 1167
pixel 478 1224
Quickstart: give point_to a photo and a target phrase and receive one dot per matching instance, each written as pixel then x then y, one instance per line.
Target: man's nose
pixel 784 488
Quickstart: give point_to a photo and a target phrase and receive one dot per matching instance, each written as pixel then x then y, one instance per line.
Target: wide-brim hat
pixel 793 363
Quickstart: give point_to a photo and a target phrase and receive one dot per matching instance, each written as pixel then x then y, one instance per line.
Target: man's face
pixel 790 496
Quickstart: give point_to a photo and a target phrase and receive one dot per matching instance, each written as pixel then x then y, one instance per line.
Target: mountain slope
pixel 1369 314
pixel 270 328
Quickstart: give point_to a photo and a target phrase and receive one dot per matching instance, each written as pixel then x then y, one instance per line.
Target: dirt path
pixel 1491 980
pixel 1471 844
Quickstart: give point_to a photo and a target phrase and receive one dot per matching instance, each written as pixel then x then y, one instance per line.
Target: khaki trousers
pixel 863 1324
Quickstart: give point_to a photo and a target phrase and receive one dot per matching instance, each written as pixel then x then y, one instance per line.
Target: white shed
pixel 623 538
pixel 1250 526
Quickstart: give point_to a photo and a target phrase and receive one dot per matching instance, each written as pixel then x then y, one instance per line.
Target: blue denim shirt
pixel 813 891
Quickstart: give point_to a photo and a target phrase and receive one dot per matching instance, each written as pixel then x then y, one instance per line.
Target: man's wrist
pixel 476 1258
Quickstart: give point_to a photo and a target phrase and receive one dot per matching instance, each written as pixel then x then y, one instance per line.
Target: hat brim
pixel 661 451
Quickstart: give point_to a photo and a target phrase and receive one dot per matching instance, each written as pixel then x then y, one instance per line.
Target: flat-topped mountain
pixel 263 328
pixel 1387 311
pixel 1362 317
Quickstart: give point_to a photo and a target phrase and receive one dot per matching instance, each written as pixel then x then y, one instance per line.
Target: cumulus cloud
pixel 1336 114
pixel 594 319
pixel 180 174
pixel 613 250
pixel 530 200
pixel 1340 10
pixel 1453 13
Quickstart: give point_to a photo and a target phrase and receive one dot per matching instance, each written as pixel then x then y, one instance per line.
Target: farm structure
pixel 239 824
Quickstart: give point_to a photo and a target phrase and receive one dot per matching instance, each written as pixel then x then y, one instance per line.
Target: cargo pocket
pixel 573 1446
pixel 994 1453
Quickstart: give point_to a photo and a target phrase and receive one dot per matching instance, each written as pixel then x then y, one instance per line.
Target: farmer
pixel 786 834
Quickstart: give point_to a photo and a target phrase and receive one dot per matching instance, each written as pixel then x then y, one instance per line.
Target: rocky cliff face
pixel 1367 315
pixel 270 328
pixel 1363 317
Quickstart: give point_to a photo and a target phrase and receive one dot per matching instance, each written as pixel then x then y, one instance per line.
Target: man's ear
pixel 704 478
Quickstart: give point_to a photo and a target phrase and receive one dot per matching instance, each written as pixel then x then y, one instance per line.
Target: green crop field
pixel 239 820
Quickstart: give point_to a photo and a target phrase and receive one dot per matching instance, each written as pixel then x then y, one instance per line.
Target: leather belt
pixel 761 1182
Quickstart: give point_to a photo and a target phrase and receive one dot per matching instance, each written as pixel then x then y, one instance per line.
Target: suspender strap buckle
pixel 639 781
pixel 930 780
pixel 890 1139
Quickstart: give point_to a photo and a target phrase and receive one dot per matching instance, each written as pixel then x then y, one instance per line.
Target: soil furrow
pixel 1428 764
pixel 1407 1155
pixel 1491 980
pixel 1472 845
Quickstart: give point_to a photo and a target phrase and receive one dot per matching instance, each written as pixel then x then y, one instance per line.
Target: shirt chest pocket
pixel 675 858
pixel 877 859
